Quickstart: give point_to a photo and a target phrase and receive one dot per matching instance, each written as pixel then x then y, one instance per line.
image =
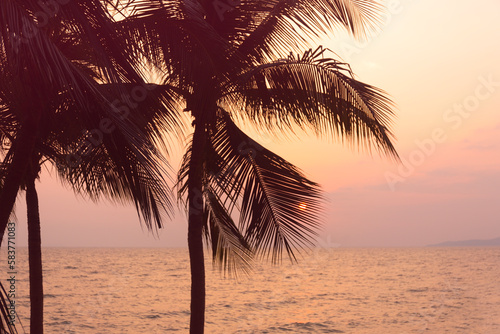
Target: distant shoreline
pixel 451 244
pixel 468 243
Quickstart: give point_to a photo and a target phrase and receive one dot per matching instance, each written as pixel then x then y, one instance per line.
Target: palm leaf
pixel 7 326
pixel 176 38
pixel 288 24
pixel 116 165
pixel 265 188
pixel 230 250
pixel 319 94
pixel 271 191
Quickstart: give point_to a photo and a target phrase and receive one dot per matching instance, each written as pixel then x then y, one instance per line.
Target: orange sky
pixel 439 62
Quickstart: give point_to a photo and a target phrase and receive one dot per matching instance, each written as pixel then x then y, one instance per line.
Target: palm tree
pixel 74 62
pixel 225 58
pixel 59 84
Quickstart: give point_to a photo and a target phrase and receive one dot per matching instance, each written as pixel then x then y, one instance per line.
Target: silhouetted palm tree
pixel 73 65
pixel 226 60
pixel 65 87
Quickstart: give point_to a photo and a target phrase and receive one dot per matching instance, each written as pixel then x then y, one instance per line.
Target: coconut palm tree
pixel 65 92
pixel 226 59
pixel 73 62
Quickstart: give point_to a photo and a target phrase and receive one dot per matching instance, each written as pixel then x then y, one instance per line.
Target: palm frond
pixel 230 250
pixel 319 94
pixel 119 175
pixel 7 324
pixel 120 163
pixel 176 37
pixel 267 190
pixel 33 58
pixel 288 24
pixel 271 191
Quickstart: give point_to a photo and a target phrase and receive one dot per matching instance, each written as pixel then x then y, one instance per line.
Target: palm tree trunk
pixel 25 142
pixel 35 257
pixel 195 234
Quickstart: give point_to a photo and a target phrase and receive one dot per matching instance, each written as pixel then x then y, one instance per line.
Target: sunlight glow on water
pixel 427 290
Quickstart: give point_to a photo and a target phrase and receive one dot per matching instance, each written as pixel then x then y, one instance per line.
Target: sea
pixel 329 290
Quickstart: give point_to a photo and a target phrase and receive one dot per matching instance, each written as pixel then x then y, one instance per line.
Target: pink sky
pixel 439 62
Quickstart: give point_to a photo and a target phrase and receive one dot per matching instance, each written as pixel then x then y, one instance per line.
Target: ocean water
pixel 338 290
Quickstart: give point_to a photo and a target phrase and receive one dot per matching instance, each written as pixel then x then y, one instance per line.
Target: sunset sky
pixel 439 61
